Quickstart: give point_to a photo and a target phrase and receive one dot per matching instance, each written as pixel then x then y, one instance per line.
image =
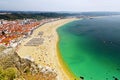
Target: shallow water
pixel 91 47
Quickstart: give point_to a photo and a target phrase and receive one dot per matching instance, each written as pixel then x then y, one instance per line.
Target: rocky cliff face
pixel 26 69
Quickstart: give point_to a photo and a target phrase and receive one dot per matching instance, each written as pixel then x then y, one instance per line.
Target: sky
pixel 60 5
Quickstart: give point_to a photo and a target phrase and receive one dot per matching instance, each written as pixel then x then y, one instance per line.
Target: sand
pixel 46 54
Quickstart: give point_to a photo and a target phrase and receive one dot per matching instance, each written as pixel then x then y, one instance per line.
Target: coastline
pixel 65 66
pixel 45 54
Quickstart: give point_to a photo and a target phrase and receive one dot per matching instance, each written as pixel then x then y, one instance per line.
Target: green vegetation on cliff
pixel 13 67
pixel 7 74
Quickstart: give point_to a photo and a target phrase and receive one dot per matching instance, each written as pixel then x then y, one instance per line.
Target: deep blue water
pixel 91 47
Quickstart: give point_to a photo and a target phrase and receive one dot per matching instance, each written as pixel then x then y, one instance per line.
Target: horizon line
pixel 54 11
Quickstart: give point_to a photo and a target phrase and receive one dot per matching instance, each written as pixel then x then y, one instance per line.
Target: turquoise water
pixel 91 47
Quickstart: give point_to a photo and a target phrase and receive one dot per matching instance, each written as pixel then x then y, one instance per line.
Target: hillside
pixel 31 15
pixel 13 67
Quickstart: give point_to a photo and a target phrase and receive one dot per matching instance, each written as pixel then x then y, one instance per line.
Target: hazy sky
pixel 60 5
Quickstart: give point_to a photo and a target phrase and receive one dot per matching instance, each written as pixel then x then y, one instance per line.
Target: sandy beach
pixel 44 51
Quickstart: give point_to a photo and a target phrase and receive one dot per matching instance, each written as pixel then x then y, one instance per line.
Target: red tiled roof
pixel 15 30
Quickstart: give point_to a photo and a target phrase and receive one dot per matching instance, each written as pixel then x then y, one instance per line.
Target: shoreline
pixel 63 65
pixel 45 54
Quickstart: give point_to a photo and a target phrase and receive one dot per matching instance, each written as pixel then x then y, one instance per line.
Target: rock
pixel 115 78
pixel 24 65
pixel 81 77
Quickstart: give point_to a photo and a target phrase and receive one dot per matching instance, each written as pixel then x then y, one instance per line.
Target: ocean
pixel 91 47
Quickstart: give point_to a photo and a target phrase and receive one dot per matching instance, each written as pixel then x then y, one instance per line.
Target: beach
pixel 41 47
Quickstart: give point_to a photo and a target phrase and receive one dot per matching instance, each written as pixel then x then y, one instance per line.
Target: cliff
pixel 23 69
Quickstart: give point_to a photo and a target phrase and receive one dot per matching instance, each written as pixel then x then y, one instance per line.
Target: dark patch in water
pixel 115 78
